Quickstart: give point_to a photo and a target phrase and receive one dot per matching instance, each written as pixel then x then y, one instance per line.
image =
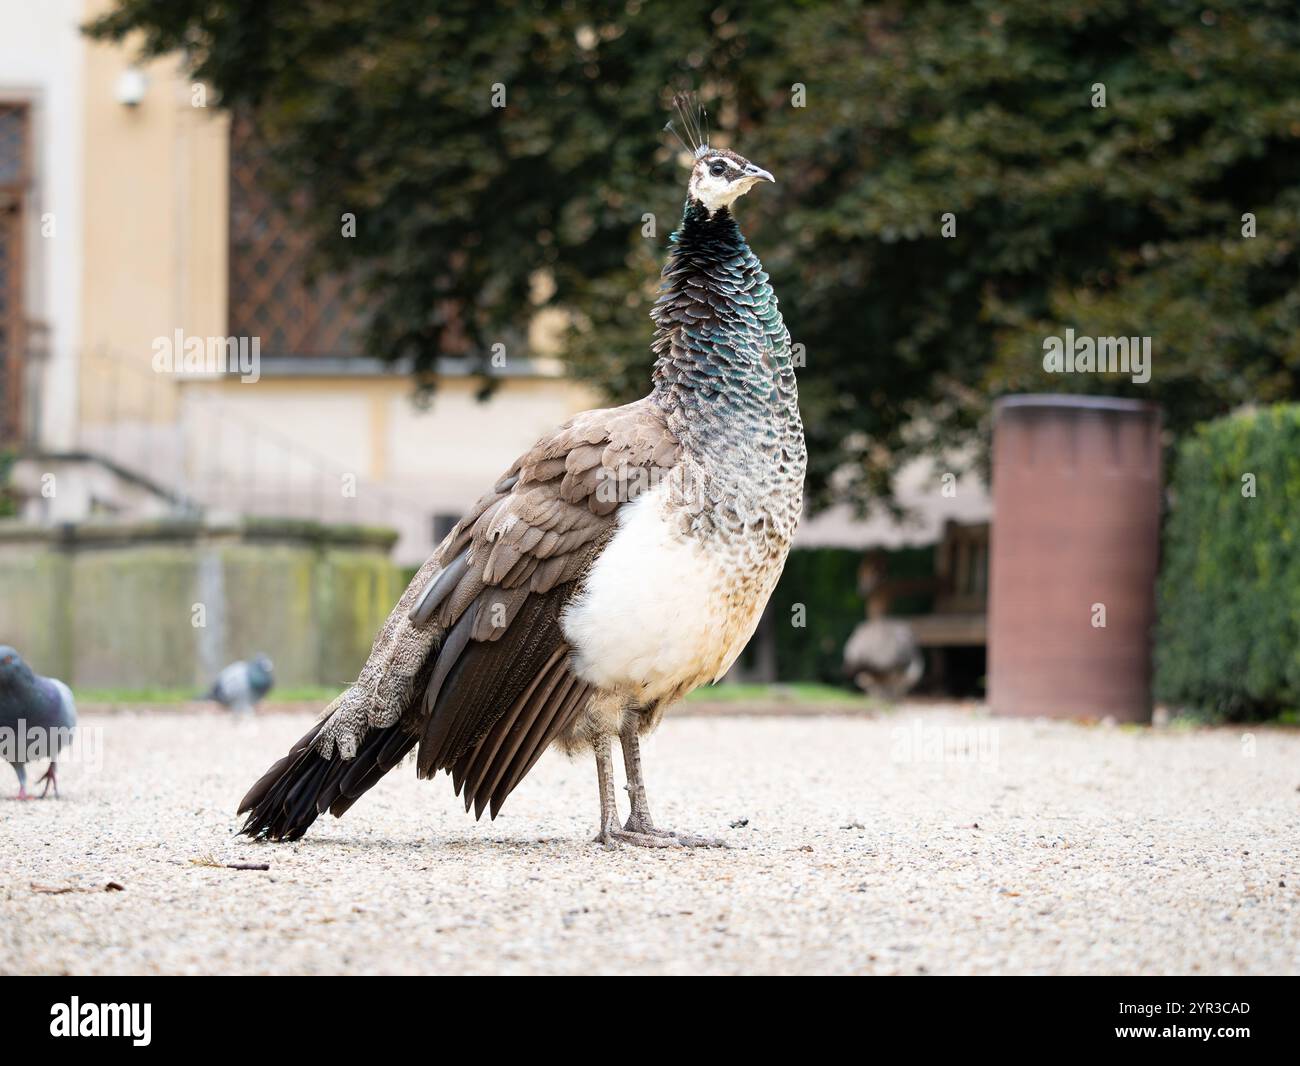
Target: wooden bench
pixel 960 615
pixel 959 586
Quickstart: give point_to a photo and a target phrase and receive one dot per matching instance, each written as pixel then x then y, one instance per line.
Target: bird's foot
pixel 51 778
pixel 643 832
pixel 23 794
pixel 612 836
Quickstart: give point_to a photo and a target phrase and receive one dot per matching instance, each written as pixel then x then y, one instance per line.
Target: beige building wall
pixel 360 451
pixel 155 180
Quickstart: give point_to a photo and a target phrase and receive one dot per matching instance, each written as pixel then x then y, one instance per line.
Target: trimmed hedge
pixel 1228 634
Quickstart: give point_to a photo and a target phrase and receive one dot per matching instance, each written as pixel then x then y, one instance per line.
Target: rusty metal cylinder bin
pixel 1073 556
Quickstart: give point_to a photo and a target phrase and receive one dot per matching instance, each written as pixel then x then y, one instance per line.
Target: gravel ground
pixel 927 841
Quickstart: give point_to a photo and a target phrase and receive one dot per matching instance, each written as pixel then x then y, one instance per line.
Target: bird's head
pixel 263 663
pixel 719 176
pixel 12 667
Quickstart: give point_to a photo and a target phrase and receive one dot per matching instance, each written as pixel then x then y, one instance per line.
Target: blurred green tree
pixel 879 119
pixel 8 501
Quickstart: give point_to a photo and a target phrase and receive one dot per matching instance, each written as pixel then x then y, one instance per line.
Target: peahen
pixel 613 568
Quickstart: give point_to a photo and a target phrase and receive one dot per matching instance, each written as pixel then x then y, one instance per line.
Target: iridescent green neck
pixel 723 367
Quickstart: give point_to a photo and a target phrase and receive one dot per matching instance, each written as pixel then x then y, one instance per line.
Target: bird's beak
pixel 758 173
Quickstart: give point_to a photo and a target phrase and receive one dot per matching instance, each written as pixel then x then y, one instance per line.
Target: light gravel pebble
pixel 1070 849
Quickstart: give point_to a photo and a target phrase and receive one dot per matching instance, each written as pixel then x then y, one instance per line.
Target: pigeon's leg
pixel 21 771
pixel 50 777
pixel 610 834
pixel 639 821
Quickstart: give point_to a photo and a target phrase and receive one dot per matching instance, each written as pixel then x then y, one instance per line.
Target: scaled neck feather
pixel 723 369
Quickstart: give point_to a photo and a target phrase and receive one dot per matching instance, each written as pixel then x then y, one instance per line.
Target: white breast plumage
pixel 658 611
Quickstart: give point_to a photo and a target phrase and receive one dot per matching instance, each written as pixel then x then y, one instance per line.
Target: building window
pixel 270 295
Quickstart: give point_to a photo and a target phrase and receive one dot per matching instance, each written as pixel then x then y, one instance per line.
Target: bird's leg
pixel 21 771
pixel 639 821
pixel 610 834
pixel 50 777
pixel 605 779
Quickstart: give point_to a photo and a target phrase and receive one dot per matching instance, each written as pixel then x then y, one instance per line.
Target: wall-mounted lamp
pixel 131 86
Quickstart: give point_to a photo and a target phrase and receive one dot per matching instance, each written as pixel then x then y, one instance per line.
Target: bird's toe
pixel 612 838
pixel 688 840
pixel 654 838
pixel 641 826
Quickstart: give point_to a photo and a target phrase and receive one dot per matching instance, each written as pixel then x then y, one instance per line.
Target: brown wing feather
pixel 472 769
pixel 522 555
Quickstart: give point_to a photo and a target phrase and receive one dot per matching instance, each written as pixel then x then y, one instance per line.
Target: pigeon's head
pixel 719 176
pixel 262 663
pixel 12 667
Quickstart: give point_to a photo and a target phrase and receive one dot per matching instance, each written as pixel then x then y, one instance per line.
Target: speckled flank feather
pixel 624 560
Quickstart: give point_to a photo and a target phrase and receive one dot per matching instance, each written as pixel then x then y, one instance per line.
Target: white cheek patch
pixel 715 193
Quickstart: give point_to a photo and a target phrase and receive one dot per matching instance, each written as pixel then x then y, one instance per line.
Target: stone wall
pixel 165 604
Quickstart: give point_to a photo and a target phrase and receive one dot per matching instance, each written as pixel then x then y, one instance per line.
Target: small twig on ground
pixel 211 860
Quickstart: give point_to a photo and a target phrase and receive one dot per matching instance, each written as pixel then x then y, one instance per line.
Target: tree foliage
pixel 1125 219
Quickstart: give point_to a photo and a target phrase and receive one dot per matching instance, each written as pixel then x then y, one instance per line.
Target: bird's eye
pixel 718 169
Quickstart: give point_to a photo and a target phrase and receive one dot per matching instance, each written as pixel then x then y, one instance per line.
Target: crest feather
pixel 694 122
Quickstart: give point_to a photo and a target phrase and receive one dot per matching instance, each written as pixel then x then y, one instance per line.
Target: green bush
pixel 1228 637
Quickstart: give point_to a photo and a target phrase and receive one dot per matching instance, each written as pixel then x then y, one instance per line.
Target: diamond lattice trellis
pixel 270 296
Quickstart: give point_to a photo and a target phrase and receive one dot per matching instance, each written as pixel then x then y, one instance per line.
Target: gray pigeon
pixel 241 686
pixel 37 718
